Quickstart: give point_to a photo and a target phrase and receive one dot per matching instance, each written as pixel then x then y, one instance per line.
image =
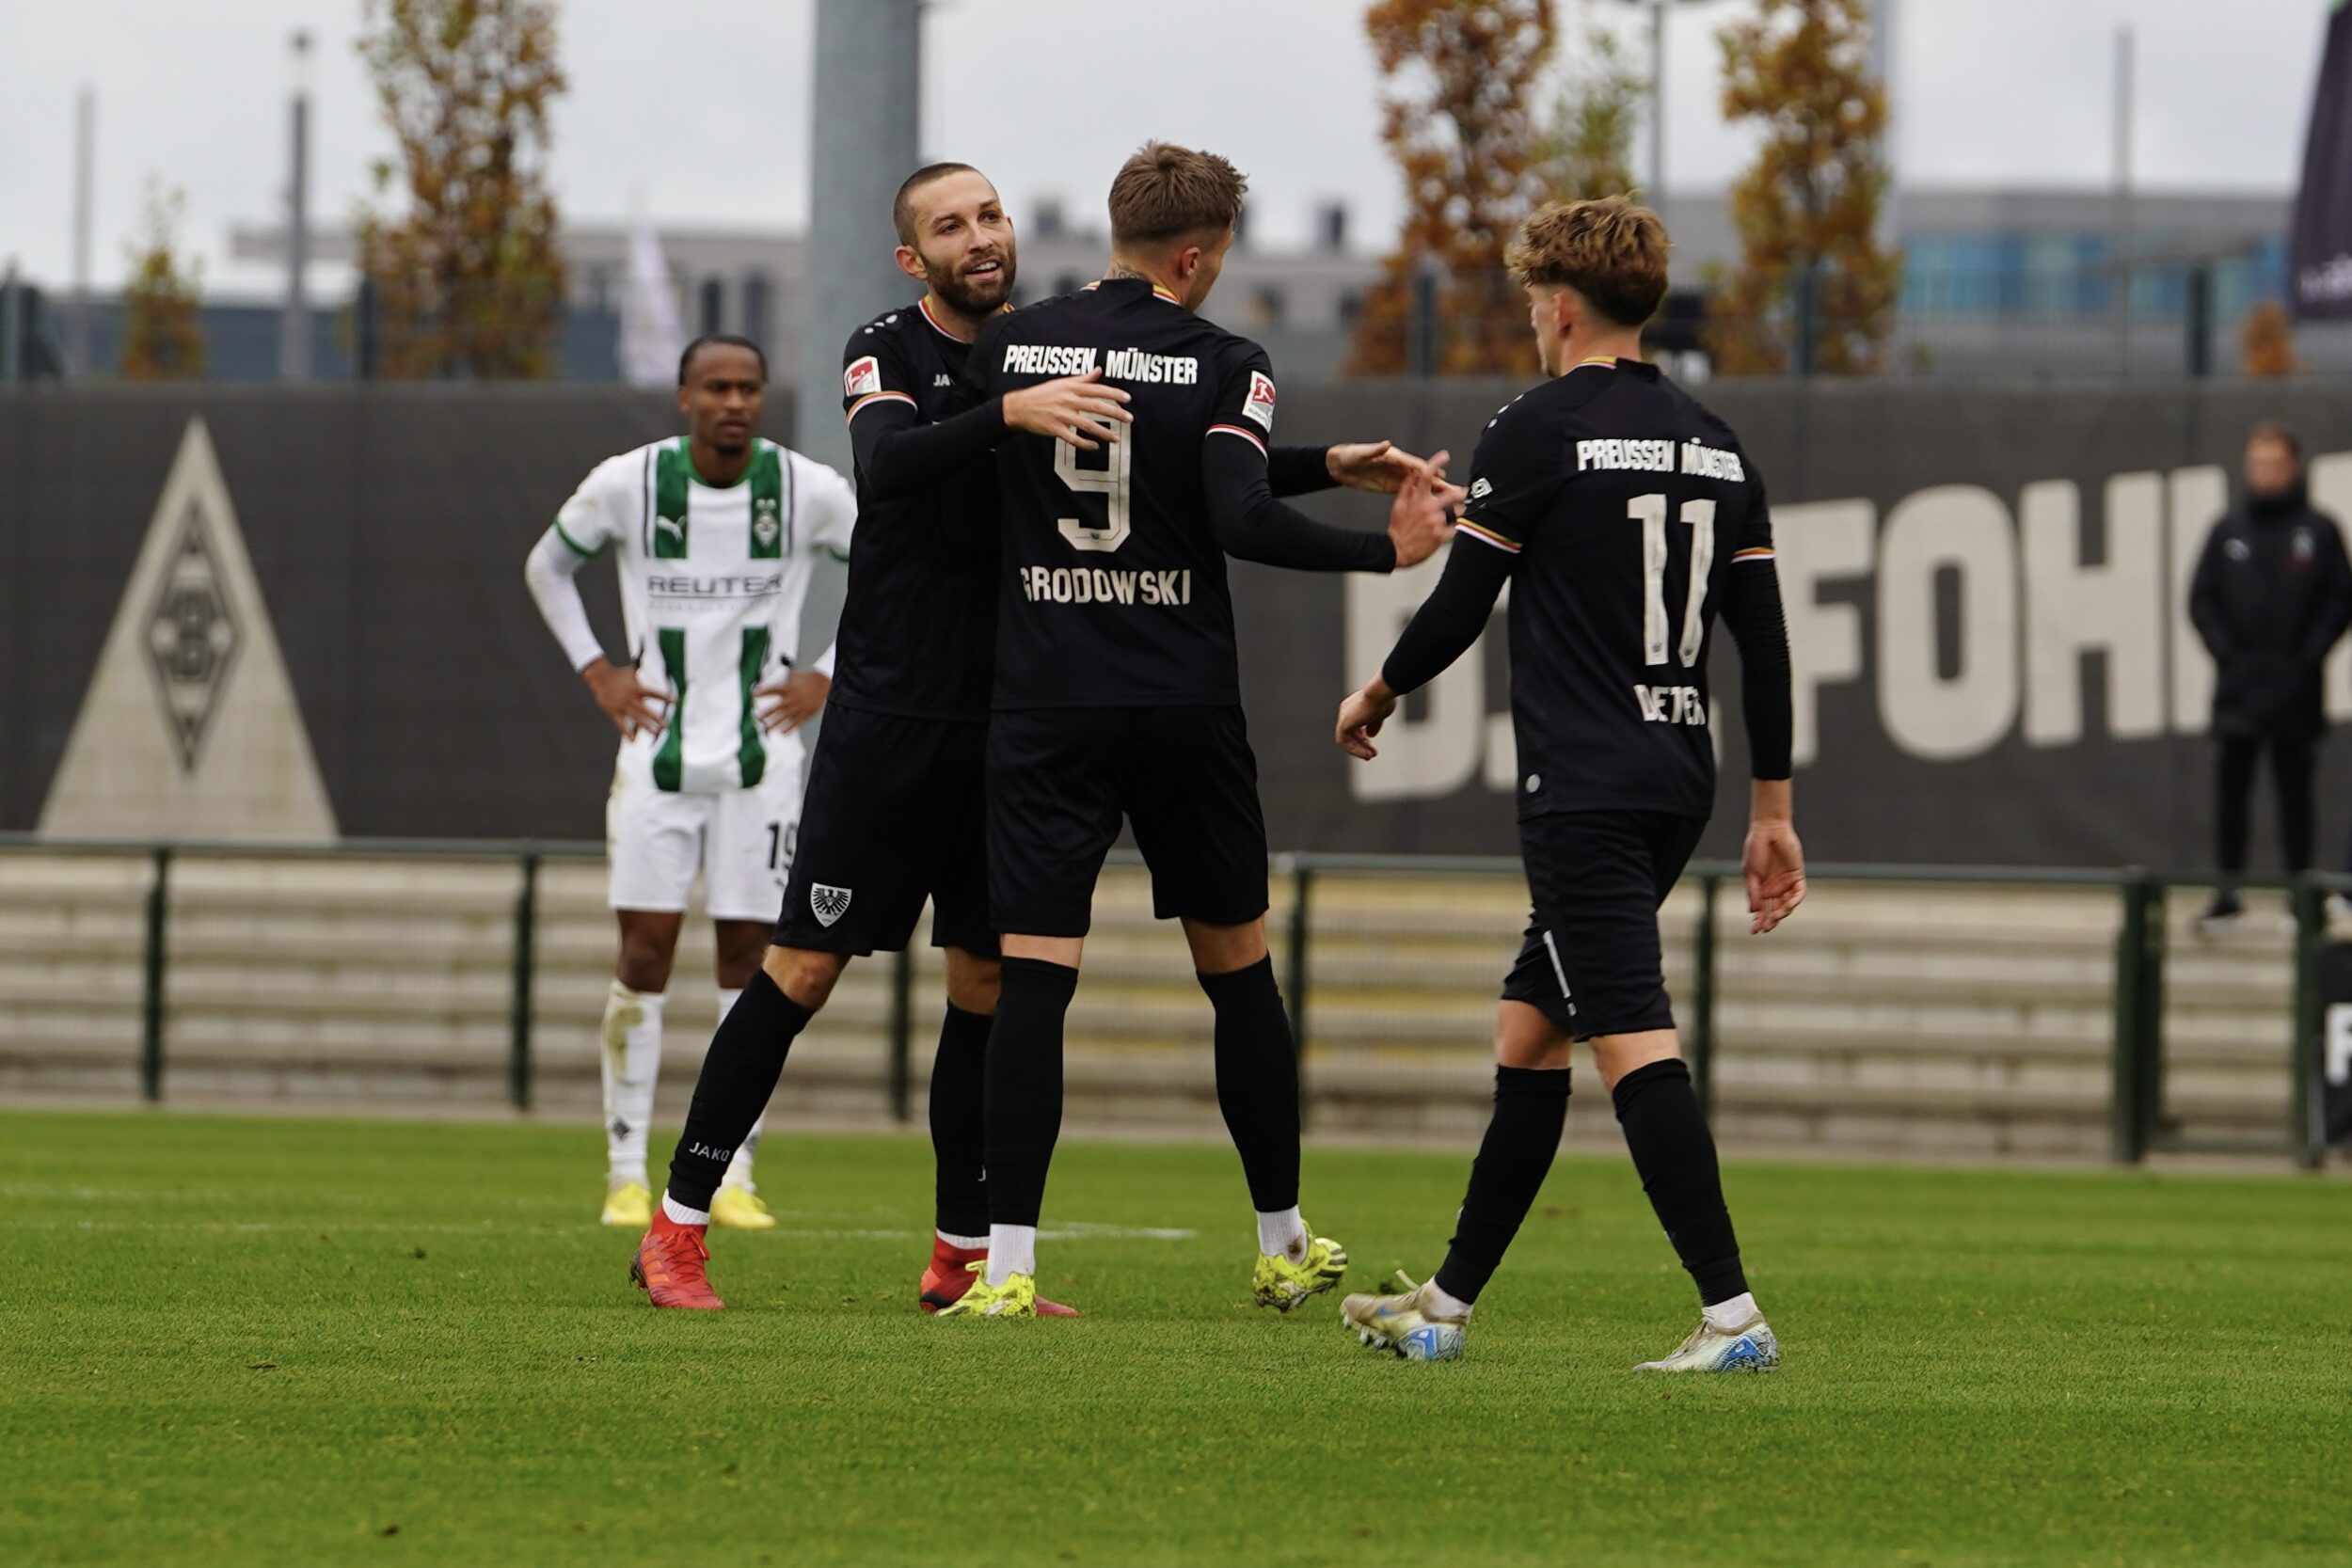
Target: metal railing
pixel 2137 1123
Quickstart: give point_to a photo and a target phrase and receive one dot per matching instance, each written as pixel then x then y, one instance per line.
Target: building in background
pixel 1996 284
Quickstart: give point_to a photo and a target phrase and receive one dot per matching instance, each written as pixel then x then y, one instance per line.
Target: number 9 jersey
pixel 1626 507
pixel 1113 591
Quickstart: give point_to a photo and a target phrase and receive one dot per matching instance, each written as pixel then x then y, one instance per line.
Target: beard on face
pixel 975 296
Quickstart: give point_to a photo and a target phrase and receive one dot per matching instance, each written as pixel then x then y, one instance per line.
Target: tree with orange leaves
pixel 2267 341
pixel 469 281
pixel 1459 118
pixel 1807 212
pixel 162 339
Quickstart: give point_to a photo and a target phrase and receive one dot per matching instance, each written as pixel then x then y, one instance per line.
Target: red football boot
pixel 669 1266
pixel 950 1273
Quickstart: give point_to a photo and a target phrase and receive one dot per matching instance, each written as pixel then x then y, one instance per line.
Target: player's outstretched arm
pixel 898 454
pixel 1440 631
pixel 1253 525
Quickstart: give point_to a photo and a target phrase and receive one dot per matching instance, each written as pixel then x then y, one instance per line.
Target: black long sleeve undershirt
pixel 898 454
pixel 1298 470
pixel 1450 619
pixel 1456 611
pixel 1251 525
pixel 1752 612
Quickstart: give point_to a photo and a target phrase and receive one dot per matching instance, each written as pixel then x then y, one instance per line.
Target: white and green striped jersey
pixel 712 581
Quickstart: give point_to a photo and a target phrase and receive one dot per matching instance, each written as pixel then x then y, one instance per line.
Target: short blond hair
pixel 1609 250
pixel 1165 191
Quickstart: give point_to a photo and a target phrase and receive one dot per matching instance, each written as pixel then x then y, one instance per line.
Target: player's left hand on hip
pixel 792 701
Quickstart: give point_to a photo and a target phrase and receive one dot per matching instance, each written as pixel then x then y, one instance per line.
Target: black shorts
pixel 1591 959
pixel 895 813
pixel 1059 780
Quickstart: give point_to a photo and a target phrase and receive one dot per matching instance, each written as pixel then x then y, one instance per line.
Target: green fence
pixel 2137 1126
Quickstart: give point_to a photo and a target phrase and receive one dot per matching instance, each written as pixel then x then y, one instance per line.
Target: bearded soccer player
pixel 895 807
pixel 1118 695
pixel 716 535
pixel 1625 519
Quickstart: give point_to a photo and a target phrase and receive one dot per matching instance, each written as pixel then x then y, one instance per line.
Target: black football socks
pixel 1675 1154
pixel 738 1074
pixel 1257 1080
pixel 1531 1108
pixel 1022 1098
pixel 958 1146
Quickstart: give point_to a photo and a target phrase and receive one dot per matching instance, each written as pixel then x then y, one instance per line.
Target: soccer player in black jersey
pixel 1624 518
pixel 1118 692
pixel 894 808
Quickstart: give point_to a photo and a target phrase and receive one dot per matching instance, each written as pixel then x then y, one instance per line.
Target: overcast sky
pixel 701 109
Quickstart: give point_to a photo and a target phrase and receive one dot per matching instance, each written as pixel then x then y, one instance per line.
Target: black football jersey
pixel 1626 506
pixel 1112 586
pixel 918 619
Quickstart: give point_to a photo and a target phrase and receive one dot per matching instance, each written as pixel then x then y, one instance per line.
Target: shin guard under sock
pixel 1021 1106
pixel 1531 1108
pixel 738 1074
pixel 1257 1080
pixel 1675 1153
pixel 959 1142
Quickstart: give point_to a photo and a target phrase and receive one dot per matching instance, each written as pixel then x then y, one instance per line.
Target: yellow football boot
pixel 1283 1284
pixel 740 1209
pixel 1015 1298
pixel 629 1206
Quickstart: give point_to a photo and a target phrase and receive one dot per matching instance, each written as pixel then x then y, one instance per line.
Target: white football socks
pixel 963 1244
pixel 1283 1234
pixel 1728 1317
pixel 631 1057
pixel 739 1169
pixel 1441 1305
pixel 1012 1250
pixel 678 1214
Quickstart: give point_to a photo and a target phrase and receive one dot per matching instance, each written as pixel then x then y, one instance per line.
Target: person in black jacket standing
pixel 2273 592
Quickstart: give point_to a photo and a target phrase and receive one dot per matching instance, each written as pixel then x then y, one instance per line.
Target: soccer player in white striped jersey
pixel 716 535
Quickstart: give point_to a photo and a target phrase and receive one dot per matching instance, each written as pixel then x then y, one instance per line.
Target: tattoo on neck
pixel 1120 269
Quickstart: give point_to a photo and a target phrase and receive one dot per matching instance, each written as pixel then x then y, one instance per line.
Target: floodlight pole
pixel 1654 195
pixel 293 326
pixel 867 114
pixel 84 156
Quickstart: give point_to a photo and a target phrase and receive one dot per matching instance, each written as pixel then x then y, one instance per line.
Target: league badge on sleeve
pixel 864 378
pixel 1259 410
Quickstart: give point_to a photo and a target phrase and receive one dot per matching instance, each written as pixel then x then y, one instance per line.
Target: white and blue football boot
pixel 1749 1348
pixel 1406 1325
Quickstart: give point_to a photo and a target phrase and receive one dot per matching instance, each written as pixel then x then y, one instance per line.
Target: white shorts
pixel 740 840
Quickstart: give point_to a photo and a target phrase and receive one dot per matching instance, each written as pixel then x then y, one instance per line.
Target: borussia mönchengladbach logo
pixel 192 637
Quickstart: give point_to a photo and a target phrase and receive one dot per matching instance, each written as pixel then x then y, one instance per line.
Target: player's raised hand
pixel 1079 409
pixel 634 707
pixel 1419 519
pixel 1361 715
pixel 792 701
pixel 1774 865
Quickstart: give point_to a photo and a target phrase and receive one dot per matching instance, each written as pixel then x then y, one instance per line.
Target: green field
pixel 246 1341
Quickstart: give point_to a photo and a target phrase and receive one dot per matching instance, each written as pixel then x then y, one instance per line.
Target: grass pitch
pixel 272 1342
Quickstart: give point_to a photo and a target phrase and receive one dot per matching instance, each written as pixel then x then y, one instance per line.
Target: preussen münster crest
pixel 192 635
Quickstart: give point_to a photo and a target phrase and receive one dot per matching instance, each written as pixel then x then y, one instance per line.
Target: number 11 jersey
pixel 1625 505
pixel 1113 589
